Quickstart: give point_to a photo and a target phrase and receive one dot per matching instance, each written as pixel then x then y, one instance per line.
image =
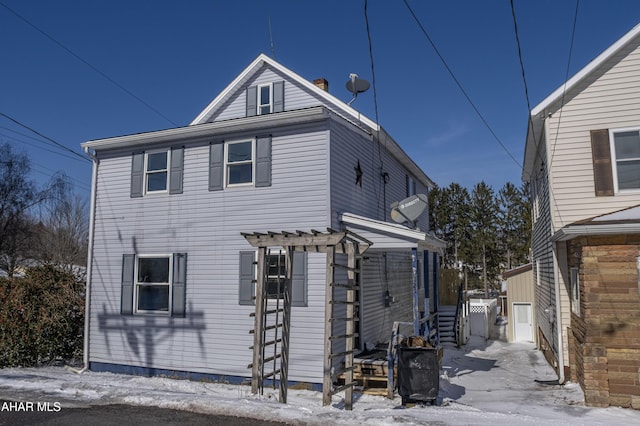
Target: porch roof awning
pixel 390 236
pixel 621 222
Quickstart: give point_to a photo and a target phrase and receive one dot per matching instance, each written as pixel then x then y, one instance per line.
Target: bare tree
pixel 65 234
pixel 18 197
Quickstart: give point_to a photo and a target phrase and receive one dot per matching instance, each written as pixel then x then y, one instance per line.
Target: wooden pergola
pixel 272 324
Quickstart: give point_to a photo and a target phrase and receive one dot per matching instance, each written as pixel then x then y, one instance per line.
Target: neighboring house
pixel 582 159
pixel 171 277
pixel 520 304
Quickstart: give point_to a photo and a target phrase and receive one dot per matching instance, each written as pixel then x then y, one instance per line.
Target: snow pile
pixel 483 383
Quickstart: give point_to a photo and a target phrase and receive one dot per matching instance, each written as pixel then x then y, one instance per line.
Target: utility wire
pixel 524 78
pixel 375 107
pixel 464 92
pixel 22 141
pixel 373 72
pixel 45 137
pixel 112 81
pixel 566 77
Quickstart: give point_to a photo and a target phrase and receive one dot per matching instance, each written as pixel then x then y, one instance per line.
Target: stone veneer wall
pixel 605 337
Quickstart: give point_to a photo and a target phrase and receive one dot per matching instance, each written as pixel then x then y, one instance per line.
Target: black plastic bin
pixel 418 374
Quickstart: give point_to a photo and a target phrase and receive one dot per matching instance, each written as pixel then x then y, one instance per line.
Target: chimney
pixel 322 83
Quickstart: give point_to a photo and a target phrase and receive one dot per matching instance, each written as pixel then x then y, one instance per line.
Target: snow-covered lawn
pixel 488 382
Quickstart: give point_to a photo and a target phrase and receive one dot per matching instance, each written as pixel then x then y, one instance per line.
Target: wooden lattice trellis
pixel 332 243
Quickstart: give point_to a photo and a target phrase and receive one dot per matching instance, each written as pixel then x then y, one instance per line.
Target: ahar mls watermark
pixel 29 406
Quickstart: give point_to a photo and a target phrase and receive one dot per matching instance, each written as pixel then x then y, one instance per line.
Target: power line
pixel 112 81
pixel 22 141
pixel 45 137
pixel 464 92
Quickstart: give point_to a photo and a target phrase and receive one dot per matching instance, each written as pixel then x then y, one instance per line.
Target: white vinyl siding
pixel 373 198
pixel 207 225
pixel 385 272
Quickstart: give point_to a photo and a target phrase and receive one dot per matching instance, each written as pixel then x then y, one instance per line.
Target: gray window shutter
pixel 263 161
pixel 252 101
pixel 299 279
pixel 602 171
pixel 126 296
pixel 177 167
pixel 278 96
pixel 137 174
pixel 216 166
pixel 179 287
pixel 247 274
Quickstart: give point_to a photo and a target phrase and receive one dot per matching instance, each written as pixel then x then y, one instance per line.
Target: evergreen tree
pixel 484 211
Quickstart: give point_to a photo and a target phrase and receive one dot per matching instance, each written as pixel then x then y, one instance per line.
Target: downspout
pixel 87 304
pixel 556 279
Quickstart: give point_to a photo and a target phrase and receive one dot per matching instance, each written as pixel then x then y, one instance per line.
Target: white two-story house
pixel 170 279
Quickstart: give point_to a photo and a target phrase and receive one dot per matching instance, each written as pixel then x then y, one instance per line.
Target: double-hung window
pixel 156 171
pixel 276 275
pixel 625 155
pixel 153 284
pixel 239 160
pixel 265 99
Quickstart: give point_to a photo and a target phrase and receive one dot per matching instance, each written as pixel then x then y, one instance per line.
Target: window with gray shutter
pixel 137 174
pixel 247 277
pixel 252 101
pixel 248 267
pixel 263 161
pixel 179 285
pixel 601 153
pixel 278 96
pixel 177 167
pixel 299 279
pixel 216 166
pixel 126 294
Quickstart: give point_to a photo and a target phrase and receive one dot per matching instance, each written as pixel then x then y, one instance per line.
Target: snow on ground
pixel 482 383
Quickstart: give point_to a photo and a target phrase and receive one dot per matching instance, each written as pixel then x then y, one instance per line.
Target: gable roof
pixel 553 102
pixel 338 107
pixel 254 67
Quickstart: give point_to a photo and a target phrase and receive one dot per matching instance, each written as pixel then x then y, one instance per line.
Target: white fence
pixel 482 316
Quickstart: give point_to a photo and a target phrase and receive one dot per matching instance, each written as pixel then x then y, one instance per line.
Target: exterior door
pixel 522 323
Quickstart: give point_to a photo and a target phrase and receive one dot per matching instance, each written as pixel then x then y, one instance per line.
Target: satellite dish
pixel 409 209
pixel 356 85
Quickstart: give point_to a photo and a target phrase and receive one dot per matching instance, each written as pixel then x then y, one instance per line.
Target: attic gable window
pixel 625 155
pixel 265 99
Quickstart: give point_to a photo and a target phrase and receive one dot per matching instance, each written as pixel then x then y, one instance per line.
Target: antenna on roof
pixel 273 50
pixel 356 85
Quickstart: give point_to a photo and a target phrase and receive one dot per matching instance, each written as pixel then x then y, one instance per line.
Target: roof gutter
pixel 207 129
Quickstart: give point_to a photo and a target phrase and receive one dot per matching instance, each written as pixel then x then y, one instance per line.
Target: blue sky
pixel 169 59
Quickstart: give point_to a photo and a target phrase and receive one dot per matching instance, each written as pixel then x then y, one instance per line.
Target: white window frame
pixel 614 160
pixel 259 102
pixel 575 290
pixel 228 165
pixel 148 172
pixel 137 284
pixel 282 254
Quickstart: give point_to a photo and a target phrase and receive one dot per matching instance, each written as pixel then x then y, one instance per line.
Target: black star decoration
pixel 359 174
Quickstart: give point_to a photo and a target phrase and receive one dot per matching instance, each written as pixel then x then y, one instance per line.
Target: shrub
pixel 41 317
